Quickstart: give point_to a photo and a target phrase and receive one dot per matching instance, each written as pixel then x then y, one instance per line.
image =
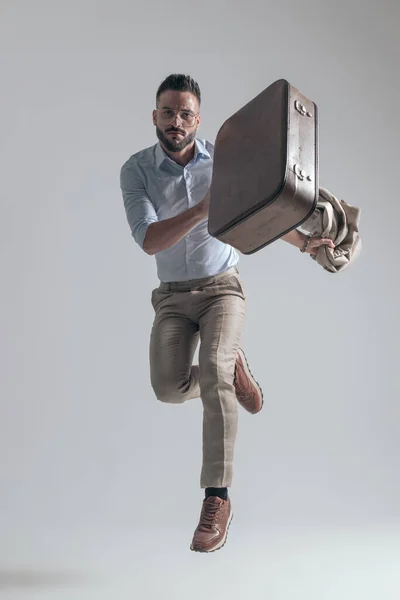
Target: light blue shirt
pixel 154 188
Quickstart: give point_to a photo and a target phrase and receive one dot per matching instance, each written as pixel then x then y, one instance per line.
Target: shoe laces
pixel 209 514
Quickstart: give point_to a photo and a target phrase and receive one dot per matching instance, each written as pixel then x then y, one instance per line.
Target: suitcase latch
pixel 301 174
pixel 302 109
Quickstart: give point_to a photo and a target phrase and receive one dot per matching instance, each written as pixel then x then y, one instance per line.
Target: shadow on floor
pixel 31 578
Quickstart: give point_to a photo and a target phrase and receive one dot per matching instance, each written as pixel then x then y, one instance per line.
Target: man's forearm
pixel 295 237
pixel 164 234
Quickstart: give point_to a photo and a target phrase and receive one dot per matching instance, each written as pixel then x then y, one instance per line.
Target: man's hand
pixel 316 242
pixel 298 239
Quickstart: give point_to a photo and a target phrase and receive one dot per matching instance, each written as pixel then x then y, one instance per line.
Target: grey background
pixel 99 486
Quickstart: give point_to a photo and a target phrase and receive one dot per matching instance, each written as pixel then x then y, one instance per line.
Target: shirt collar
pixel 200 152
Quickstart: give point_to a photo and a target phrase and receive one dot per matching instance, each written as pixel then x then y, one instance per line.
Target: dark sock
pixel 220 492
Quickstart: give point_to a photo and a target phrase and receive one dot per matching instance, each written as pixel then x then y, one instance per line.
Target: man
pixel 200 296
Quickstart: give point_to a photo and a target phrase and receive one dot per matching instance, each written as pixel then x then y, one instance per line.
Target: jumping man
pixel 200 297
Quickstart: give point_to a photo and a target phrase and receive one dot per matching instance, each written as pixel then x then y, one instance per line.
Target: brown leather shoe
pixel 212 530
pixel 248 392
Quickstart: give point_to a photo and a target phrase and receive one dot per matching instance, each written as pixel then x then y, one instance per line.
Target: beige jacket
pixel 339 221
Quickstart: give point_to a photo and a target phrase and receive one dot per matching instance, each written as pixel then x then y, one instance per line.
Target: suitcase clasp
pixel 302 109
pixel 301 174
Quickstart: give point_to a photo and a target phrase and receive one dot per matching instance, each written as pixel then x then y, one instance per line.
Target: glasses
pixel 167 115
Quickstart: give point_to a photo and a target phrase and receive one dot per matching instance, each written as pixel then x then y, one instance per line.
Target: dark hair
pixel 179 83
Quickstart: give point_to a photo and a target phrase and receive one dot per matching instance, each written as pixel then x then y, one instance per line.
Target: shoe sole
pixel 251 377
pixel 220 544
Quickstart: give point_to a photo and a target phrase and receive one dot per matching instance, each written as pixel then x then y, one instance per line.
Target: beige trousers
pixel 210 310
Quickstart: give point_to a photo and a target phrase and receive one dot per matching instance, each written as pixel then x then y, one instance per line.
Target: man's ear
pixel 154 117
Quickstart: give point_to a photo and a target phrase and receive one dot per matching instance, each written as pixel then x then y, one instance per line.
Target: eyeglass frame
pixel 177 112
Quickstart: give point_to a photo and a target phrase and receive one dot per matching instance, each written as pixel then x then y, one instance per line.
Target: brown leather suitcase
pixel 265 174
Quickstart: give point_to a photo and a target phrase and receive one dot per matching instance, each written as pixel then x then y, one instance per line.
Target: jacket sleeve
pixel 139 209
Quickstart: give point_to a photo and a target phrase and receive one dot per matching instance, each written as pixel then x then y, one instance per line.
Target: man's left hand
pixel 316 242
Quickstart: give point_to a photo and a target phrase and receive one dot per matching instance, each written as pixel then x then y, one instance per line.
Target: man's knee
pixel 216 374
pixel 167 392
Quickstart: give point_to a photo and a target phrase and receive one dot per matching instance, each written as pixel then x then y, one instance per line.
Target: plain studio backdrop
pixel 100 491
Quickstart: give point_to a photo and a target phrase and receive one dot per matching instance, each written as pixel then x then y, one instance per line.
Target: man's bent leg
pixel 173 342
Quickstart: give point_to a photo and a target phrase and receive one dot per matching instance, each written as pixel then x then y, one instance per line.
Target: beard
pixel 175 145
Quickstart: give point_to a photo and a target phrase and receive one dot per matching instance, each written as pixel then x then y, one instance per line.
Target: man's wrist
pixel 306 243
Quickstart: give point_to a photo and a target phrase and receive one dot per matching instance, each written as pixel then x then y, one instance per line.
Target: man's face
pixel 176 119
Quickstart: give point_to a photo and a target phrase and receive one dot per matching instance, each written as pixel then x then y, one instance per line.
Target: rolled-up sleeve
pixel 139 209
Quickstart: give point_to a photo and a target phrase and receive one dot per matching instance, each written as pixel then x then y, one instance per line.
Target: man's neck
pixel 184 156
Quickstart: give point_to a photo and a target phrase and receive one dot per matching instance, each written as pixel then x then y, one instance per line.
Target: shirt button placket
pixel 187 177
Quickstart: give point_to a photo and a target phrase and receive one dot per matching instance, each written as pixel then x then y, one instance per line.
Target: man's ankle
pixel 219 492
